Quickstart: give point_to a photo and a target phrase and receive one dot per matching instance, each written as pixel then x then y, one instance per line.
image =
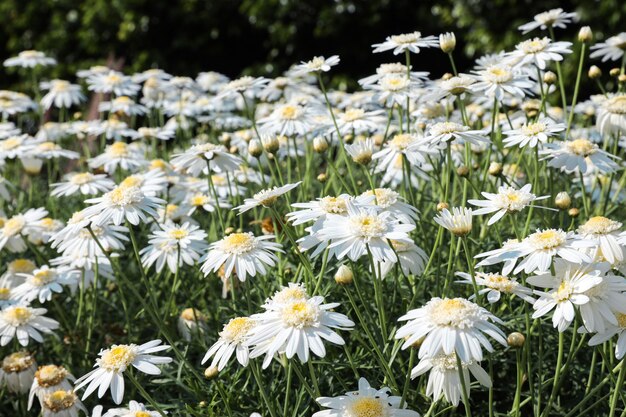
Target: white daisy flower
pixel 112 363
pixel 393 89
pixel 495 285
pixel 357 122
pixel 444 378
pixel 191 322
pixel 539 51
pixel 533 134
pixel 135 409
pixel 566 289
pixel 242 253
pixel 506 200
pixel 61 94
pixel 607 300
pixel 392 68
pixel 459 221
pixel 579 155
pixel 265 198
pixel 612 330
pixel 119 154
pixel 411 259
pixel 411 42
pixel 554 18
pixel 232 338
pixel 499 79
pixel 611 118
pixel 112 82
pixel 48 379
pixel 174 245
pixel 122 203
pixel 194 160
pixel 607 236
pixel 295 327
pixel 84 183
pixel 123 104
pixel 389 200
pixel 14 229
pixel 448 326
pixel 24 322
pixel 610 50
pixel 30 59
pixel 17 371
pixel 62 403
pixel 316 65
pixel 246 85
pixel 44 281
pixel 154 133
pixel 287 119
pixel 367 401
pixel 442 133
pixel 361 150
pixel 410 146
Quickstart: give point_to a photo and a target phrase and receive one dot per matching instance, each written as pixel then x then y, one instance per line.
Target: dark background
pixel 264 37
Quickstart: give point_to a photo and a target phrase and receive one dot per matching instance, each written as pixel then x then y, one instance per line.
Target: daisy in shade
pixel 362 230
pixel 619 329
pixel 565 290
pixel 316 65
pixel 459 221
pixel 112 82
pixel 506 200
pixel 49 378
pixel 607 236
pixel 555 18
pixel 448 326
pixel 532 134
pixel 24 323
pixel 295 327
pixel 112 364
pixel 411 259
pixel 444 377
pixel 367 401
pixel 265 198
pixel 17 371
pixel 174 245
pixel 611 118
pixel 232 338
pixel 496 284
pixel 123 104
pixel 14 229
pixel 539 51
pixel 498 80
pixel 242 253
pixel 30 59
pixel 411 42
pixel 120 204
pixel 579 155
pixel 84 183
pixel 442 133
pixel 610 50
pixel 250 87
pixel 194 160
pixel 61 94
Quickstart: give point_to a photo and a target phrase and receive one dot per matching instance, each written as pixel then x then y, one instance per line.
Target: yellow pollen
pixel 600 225
pixel 401 142
pixel 199 200
pixel 547 239
pixel 236 329
pixel 533 129
pixel 368 226
pixel 334 205
pixel 17 316
pixel 142 414
pixel 47 146
pixel 158 164
pixel 621 320
pixel 239 243
pixel 24 266
pixel 192 314
pixel 118 357
pixel 80 179
pixel 178 233
pixel 47 222
pixel 5 293
pixel 353 114
pixel 43 277
pixel 17 362
pixel 59 400
pixel 13 226
pixel 132 181
pixel 10 143
pixel 289 112
pixel 299 314
pixel 50 375
pixel 564 291
pixel 118 149
pixel 581 147
pixel 366 407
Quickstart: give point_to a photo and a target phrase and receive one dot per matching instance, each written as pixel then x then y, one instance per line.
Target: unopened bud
pixel 255 148
pixel 573 212
pixel 271 144
pixel 442 206
pixel 344 275
pixel 495 169
pixel 549 77
pixel 594 72
pixel 211 372
pixel 614 72
pixel 562 200
pixel 462 171
pixel 229 230
pixel 447 76
pixel 320 144
pixel 585 34
pixel 447 42
pixel 516 340
pixel 322 177
pixel 622 78
pixel 234 150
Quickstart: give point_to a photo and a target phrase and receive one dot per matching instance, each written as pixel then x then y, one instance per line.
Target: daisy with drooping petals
pixel 49 378
pixel 506 200
pixel 411 42
pixel 295 327
pixel 232 338
pixel 195 159
pixel 611 118
pixel 532 134
pixel 539 51
pixel 174 245
pixel 30 59
pixel 14 229
pixel 444 378
pixel 566 289
pixel 61 403
pixel 411 259
pixel 24 322
pixel 459 221
pixel 122 203
pixel 112 363
pixel 317 64
pixel 364 229
pixel 17 371
pixel 265 198
pixel 389 200
pixel 61 94
pixel 608 237
pixel 241 253
pixel 579 155
pixel 366 402
pixel 496 284
pixel 84 183
pixel 554 18
pixel 612 49
pixel 135 409
pixel 610 332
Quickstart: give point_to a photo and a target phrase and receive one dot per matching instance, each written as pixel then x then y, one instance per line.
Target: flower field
pixel 427 245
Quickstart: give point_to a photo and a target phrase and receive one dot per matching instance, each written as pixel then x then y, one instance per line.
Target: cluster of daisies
pixel 273 187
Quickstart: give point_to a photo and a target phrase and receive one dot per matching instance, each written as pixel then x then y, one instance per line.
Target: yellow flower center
pixel 158 164
pixel 80 179
pixel 142 414
pixel 23 266
pixel 384 196
pixel 238 243
pixel 564 292
pixel 5 293
pixel 43 277
pixel 118 149
pixel 547 239
pixel 178 233
pixel 192 314
pixel 500 283
pixel 199 200
pixel 581 147
pixel 450 311
pixel 13 226
pixel 498 74
pixel 368 226
pixel 289 112
pixel 59 400
pixel 299 314
pixel 600 225
pixel 50 375
pixel 353 114
pixel 113 79
pixel 400 142
pixel 123 196
pixel 236 329
pixel 117 358
pixel 132 181
pixel 621 320
pixel 336 205
pixel 533 129
pixel 366 407
pixel 616 105
pixel 394 83
pixel 406 38
pixel 17 316
pixel 532 46
pixel 17 362
pixel 47 146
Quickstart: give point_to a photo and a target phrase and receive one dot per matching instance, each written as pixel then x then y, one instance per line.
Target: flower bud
pixel 614 72
pixel 549 77
pixel 573 212
pixel 516 340
pixel 622 78
pixel 271 144
pixel 447 42
pixel 594 72
pixel 320 144
pixel 562 200
pixel 229 230
pixel 211 372
pixel 495 169
pixel 447 76
pixel 255 148
pixel 344 275
pixel 32 166
pixel 322 177
pixel 585 34
pixel 462 171
pixel 442 206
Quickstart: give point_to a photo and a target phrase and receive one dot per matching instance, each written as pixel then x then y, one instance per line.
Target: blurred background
pixel 265 37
